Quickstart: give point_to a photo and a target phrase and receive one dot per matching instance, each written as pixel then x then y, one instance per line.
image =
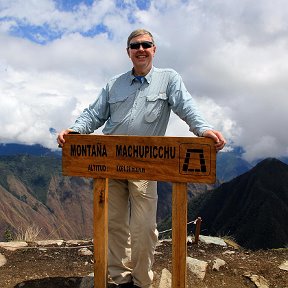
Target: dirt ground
pixel 61 267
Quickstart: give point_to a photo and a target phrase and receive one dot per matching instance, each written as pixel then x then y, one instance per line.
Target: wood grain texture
pixel 100 232
pixel 171 159
pixel 179 235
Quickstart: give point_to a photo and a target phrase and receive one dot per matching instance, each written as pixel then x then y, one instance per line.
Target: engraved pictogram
pixel 193 159
pixel 186 167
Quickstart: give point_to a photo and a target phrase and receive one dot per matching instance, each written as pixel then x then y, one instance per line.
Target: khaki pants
pixel 132 233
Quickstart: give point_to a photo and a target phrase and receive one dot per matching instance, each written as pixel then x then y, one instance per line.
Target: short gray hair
pixel 139 32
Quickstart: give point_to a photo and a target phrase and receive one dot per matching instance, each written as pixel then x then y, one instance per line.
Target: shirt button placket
pixel 134 111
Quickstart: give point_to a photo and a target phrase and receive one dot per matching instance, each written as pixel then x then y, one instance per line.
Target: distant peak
pixel 271 161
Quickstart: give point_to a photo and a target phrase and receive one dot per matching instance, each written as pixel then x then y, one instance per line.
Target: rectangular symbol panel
pixel 195 159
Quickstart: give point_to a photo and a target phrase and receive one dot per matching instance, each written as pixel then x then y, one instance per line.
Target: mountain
pixel 13 149
pixel 164 190
pixel 252 208
pixel 33 192
pixel 231 164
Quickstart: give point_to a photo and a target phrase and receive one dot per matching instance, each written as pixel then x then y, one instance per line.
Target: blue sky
pixel 44 32
pixel 56 55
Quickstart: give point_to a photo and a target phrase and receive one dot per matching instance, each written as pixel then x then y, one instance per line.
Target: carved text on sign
pixel 182 159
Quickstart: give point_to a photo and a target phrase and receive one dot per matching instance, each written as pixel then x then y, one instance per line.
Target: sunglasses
pixel 144 44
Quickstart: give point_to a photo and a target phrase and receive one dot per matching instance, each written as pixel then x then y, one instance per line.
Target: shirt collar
pixel 148 77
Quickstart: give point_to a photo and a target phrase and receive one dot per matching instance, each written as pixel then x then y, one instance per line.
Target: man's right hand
pixel 60 137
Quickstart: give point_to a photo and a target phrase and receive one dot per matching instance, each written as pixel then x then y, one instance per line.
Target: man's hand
pixel 60 137
pixel 217 137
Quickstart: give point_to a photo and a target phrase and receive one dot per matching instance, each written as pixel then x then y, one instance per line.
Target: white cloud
pixel 232 56
pixel 265 146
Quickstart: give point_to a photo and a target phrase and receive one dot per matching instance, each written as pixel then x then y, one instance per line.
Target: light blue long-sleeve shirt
pixel 128 106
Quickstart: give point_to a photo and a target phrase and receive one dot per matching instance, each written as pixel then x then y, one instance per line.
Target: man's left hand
pixel 217 137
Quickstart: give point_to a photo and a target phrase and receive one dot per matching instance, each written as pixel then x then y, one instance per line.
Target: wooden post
pixel 197 229
pixel 100 232
pixel 179 235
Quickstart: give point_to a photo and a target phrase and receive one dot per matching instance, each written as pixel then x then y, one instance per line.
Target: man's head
pixel 141 50
pixel 139 32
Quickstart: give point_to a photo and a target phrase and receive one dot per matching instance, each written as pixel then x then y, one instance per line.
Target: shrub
pixel 31 233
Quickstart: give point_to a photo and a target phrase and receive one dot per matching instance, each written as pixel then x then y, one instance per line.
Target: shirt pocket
pixel 119 107
pixel 155 104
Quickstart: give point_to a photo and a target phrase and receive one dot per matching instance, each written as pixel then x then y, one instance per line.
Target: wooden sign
pixel 171 159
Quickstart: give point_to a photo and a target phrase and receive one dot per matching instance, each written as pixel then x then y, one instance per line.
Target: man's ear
pixel 127 49
pixel 154 50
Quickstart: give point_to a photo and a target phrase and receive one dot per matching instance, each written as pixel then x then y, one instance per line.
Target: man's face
pixel 142 57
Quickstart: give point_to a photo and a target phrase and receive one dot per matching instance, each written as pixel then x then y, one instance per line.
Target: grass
pixel 28 234
pixel 230 241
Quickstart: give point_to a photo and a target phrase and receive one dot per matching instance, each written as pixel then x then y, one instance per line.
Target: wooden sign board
pixel 170 159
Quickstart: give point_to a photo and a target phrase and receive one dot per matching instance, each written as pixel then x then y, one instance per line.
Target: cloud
pixel 232 56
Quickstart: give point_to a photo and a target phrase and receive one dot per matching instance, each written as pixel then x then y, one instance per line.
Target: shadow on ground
pixel 51 282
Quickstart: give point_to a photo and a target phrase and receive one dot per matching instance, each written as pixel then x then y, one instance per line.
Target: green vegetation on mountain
pixel 34 171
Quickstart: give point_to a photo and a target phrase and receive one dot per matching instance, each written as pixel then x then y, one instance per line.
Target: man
pixel 138 102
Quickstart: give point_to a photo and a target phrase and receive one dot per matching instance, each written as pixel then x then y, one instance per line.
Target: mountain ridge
pixel 36 188
pixel 255 210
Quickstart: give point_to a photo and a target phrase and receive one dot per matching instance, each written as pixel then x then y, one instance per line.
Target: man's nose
pixel 141 48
